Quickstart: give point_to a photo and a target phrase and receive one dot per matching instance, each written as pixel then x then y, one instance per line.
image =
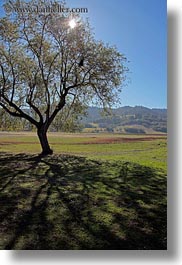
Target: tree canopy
pixel 46 66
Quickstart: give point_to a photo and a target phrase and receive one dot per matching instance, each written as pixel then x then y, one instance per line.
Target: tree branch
pixel 15 114
pixel 22 114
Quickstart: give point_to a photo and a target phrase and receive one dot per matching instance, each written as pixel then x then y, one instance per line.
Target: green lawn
pixel 86 196
pixel 149 153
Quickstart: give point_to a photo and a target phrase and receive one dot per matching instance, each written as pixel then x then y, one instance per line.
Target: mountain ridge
pixel 126 119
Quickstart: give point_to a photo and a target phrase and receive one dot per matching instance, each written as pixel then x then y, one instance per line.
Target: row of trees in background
pixel 96 121
pixel 64 122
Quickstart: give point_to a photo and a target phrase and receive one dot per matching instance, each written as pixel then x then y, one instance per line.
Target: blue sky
pixel 139 30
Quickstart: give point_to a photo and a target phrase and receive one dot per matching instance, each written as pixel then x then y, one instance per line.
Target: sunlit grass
pixel 70 202
pixel 149 153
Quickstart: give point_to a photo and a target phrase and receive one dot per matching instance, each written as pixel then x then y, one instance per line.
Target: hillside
pixel 126 119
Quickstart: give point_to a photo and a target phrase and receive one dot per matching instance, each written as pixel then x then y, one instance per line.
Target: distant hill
pixel 126 119
pixel 134 120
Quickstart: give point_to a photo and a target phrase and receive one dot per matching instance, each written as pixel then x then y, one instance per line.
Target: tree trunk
pixel 42 134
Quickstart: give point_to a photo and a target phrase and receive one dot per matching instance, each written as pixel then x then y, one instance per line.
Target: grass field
pixel 148 150
pixel 98 191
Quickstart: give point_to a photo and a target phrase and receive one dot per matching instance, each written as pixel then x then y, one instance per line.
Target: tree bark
pixel 42 134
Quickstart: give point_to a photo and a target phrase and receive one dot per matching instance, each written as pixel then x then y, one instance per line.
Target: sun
pixel 72 23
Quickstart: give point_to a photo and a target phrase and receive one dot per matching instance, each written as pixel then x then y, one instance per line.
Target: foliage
pixel 39 67
pixel 134 130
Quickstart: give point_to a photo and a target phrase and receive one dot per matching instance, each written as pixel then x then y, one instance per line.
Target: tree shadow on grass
pixel 69 202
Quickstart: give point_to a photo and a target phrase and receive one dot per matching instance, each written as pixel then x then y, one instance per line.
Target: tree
pixel 69 118
pixel 45 66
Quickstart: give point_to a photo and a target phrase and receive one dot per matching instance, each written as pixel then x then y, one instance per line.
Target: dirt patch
pixel 94 140
pixel 15 143
pixel 120 140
